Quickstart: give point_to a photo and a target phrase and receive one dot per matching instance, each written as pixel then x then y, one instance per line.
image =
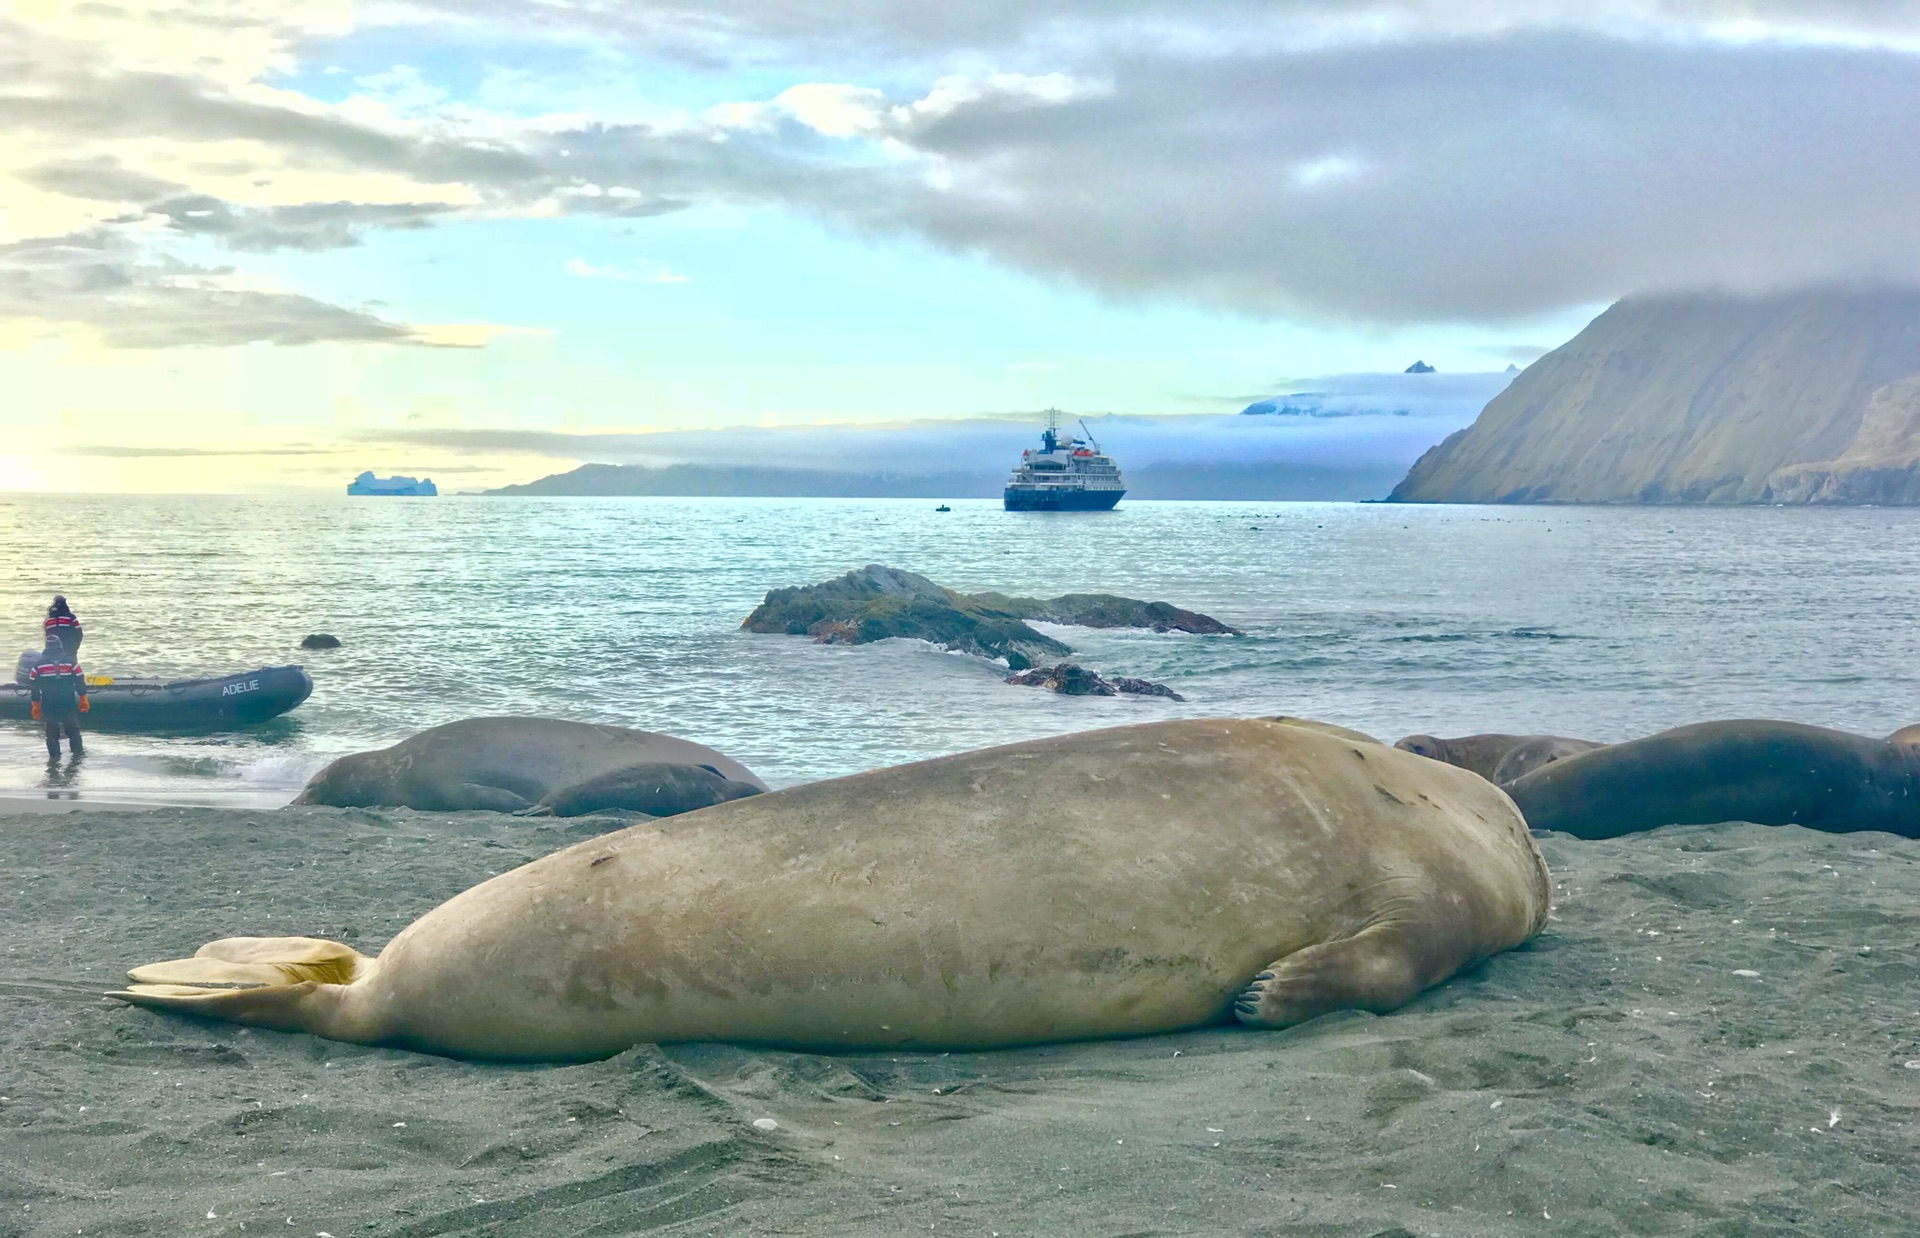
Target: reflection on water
pixel 1598 622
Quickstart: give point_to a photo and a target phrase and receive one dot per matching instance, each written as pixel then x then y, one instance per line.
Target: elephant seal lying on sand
pixel 503 765
pixel 656 789
pixel 1120 882
pixel 1771 773
pixel 1325 728
pixel 1497 758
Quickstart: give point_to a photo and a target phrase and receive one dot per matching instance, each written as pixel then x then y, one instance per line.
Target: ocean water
pixel 1605 623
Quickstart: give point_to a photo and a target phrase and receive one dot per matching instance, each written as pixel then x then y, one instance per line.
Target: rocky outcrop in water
pixel 877 603
pixel 1794 398
pixel 1072 679
pixel 1107 610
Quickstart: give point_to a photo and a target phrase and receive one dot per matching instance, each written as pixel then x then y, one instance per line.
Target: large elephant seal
pixel 657 789
pixel 1498 758
pixel 1118 882
pixel 1770 773
pixel 502 765
pixel 1325 728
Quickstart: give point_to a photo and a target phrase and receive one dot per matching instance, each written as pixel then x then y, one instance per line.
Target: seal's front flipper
pixel 1376 969
pixel 286 983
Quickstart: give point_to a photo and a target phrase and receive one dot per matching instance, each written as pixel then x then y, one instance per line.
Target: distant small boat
pixel 367 483
pixel 943 508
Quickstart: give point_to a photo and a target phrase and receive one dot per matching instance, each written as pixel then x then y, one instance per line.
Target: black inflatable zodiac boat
pixel 119 704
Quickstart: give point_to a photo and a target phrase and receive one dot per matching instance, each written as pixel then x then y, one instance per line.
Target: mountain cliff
pixel 1793 398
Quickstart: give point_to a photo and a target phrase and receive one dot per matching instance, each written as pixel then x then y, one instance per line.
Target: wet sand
pixel 1621 1075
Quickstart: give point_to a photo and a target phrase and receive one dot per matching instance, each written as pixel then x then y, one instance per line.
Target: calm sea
pixel 1599 622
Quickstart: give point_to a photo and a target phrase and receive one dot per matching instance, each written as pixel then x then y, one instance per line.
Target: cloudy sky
pixel 246 243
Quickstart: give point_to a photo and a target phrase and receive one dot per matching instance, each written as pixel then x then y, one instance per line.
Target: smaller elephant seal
pixel 1121 882
pixel 653 787
pixel 1536 752
pixel 320 640
pixel 1486 754
pixel 1770 773
pixel 1906 735
pixel 502 765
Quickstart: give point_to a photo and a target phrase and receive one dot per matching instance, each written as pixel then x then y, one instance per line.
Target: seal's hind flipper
pixel 1376 969
pixel 286 983
pixel 257 962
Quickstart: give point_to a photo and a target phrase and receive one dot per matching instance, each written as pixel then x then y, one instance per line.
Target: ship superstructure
pixel 1067 474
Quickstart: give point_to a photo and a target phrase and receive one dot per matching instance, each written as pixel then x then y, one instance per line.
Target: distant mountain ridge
pixel 1793 398
pixel 1259 481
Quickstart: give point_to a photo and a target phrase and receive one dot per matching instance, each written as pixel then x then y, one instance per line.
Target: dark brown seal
pixel 657 788
pixel 1770 773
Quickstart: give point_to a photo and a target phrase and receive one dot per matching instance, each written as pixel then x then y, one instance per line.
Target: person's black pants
pixel 67 720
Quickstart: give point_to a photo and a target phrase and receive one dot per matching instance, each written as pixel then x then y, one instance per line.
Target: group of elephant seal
pixel 534 765
pixel 1496 757
pixel 1769 773
pixel 1119 882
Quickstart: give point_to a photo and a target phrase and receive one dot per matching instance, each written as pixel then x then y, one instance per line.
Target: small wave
pixel 186 767
pixel 279 770
pixel 1439 638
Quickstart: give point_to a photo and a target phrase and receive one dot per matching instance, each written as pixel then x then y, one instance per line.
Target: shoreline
pixel 27 803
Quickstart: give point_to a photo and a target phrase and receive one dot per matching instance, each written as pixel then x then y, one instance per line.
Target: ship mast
pixel 1051 435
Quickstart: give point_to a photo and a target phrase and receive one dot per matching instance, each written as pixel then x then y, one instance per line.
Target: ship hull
pixel 1061 500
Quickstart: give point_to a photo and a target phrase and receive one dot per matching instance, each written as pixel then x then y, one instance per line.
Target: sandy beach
pixel 1716 1035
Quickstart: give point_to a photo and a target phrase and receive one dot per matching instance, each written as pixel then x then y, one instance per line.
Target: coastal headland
pixel 1804 397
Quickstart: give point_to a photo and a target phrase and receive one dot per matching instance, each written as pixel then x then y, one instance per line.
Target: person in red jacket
pixel 61 625
pixel 58 690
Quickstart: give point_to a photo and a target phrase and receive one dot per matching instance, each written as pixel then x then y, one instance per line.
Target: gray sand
pixel 1616 1077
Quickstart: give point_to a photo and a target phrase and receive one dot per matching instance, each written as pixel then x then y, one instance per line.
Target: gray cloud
pixel 100 178
pixel 723 31
pixel 1388 162
pixel 306 226
pixel 102 279
pixel 1472 180
pixel 1483 178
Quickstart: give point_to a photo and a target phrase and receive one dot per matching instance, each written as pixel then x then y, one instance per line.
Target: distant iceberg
pixel 367 483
